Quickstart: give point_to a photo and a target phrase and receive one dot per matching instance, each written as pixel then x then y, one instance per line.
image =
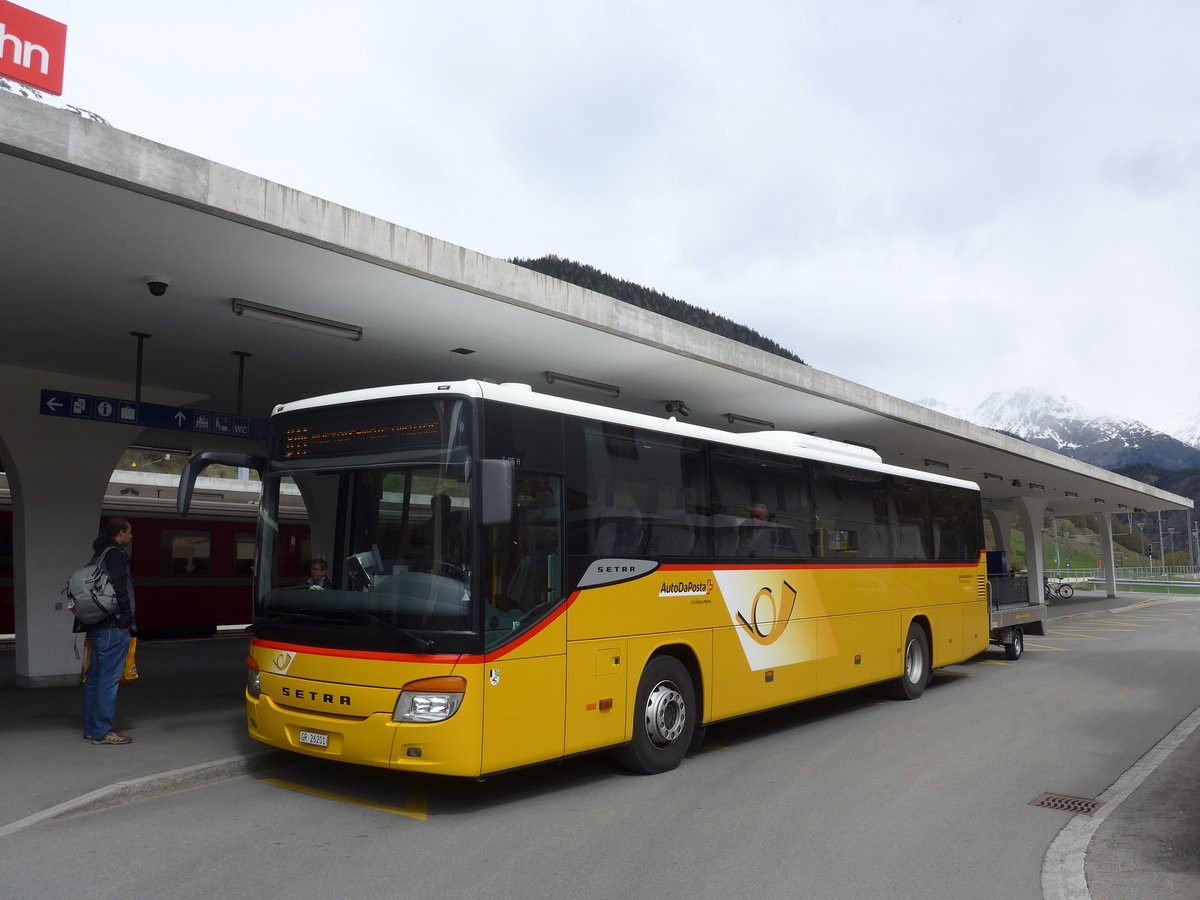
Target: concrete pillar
pixel 1032 513
pixel 57 481
pixel 321 502
pixel 58 470
pixel 1107 555
pixel 1002 522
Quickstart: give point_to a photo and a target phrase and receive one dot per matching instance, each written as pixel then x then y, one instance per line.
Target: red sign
pixel 32 48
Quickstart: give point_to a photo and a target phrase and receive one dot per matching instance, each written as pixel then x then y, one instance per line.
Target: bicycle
pixel 1061 589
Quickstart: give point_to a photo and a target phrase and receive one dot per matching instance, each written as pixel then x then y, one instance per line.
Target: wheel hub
pixel 914 663
pixel 666 714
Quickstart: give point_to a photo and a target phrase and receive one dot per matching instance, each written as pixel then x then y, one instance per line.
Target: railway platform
pixel 185 716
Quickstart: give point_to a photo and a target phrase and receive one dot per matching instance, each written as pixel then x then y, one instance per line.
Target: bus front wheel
pixel 911 684
pixel 664 718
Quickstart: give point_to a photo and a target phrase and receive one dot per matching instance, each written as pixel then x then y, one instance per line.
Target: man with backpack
pixel 109 637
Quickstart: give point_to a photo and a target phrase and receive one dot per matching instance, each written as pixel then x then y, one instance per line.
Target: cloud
pixel 932 198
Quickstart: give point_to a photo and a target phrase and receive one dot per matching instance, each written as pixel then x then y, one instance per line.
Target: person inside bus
pixel 759 539
pixel 319 576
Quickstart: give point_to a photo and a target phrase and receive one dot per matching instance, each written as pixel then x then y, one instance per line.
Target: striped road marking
pixel 414 810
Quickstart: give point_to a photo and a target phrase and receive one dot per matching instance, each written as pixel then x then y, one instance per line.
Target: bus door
pixel 524 678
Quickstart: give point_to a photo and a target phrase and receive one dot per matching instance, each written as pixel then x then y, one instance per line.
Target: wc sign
pixel 32 48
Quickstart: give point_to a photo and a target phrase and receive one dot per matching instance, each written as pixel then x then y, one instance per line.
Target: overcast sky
pixel 934 199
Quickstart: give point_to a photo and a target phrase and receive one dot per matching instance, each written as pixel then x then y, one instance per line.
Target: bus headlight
pixel 430 699
pixel 253 681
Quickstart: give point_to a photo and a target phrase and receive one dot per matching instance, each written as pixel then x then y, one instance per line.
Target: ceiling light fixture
pixel 297 319
pixel 734 418
pixel 992 475
pixel 936 464
pixel 611 389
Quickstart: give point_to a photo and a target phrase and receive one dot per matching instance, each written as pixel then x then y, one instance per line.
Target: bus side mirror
pixel 200 462
pixel 496 491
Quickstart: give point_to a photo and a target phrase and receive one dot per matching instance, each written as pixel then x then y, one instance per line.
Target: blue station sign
pixel 70 405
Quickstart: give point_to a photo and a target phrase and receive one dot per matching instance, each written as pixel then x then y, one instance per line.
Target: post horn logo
pixel 777 617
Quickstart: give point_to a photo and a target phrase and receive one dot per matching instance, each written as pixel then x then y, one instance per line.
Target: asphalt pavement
pixel 186 718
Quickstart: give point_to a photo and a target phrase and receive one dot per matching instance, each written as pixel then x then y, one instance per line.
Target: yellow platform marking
pixel 1042 648
pixel 414 810
pixel 1072 636
pixel 994 662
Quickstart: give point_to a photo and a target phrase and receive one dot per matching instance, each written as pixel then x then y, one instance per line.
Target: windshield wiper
pixel 420 642
pixel 275 618
pixel 344 617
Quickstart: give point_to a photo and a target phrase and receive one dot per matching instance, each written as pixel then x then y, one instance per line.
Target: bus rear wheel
pixel 911 684
pixel 664 718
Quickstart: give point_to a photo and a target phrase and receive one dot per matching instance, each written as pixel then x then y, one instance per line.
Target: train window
pixel 185 553
pixel 243 558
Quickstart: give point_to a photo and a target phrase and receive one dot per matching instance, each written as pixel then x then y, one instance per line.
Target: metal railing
pixel 1171 579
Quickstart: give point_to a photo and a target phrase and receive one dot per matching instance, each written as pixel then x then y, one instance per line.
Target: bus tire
pixel 664 718
pixel 911 684
pixel 1016 645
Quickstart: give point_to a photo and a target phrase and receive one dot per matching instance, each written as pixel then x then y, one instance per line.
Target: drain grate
pixel 1079 805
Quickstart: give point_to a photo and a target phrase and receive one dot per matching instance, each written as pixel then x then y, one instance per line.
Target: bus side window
pixel 761 506
pixel 648 491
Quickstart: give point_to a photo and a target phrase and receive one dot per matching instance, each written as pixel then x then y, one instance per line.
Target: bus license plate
pixel 314 739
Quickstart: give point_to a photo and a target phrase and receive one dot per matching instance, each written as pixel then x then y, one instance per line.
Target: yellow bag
pixel 128 673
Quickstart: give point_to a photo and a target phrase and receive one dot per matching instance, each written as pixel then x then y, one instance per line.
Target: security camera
pixel 678 406
pixel 158 284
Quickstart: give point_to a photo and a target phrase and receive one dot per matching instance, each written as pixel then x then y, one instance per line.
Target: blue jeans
pixel 109 647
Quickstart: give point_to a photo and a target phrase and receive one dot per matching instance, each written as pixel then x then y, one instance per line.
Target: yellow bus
pixel 516 577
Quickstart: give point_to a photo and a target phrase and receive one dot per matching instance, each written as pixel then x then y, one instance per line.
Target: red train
pixel 190 575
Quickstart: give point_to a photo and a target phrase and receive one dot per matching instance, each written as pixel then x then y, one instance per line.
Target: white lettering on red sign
pixel 32 47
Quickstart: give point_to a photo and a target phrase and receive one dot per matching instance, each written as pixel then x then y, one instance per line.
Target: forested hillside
pixel 593 279
pixel 1185 482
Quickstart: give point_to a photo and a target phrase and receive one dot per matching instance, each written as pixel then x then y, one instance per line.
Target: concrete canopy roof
pixel 90 212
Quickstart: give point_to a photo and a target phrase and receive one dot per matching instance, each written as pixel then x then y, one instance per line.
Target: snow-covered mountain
pixel 24 90
pixel 1060 424
pixel 1186 424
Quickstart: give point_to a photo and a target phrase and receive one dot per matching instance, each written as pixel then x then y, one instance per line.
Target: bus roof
pixel 787 443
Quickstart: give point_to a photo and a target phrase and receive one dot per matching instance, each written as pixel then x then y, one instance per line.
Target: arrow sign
pixel 148 415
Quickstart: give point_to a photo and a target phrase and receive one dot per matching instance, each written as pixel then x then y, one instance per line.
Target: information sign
pixel 69 405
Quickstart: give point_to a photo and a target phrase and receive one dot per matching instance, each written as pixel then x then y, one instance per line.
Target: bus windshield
pixel 390 551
